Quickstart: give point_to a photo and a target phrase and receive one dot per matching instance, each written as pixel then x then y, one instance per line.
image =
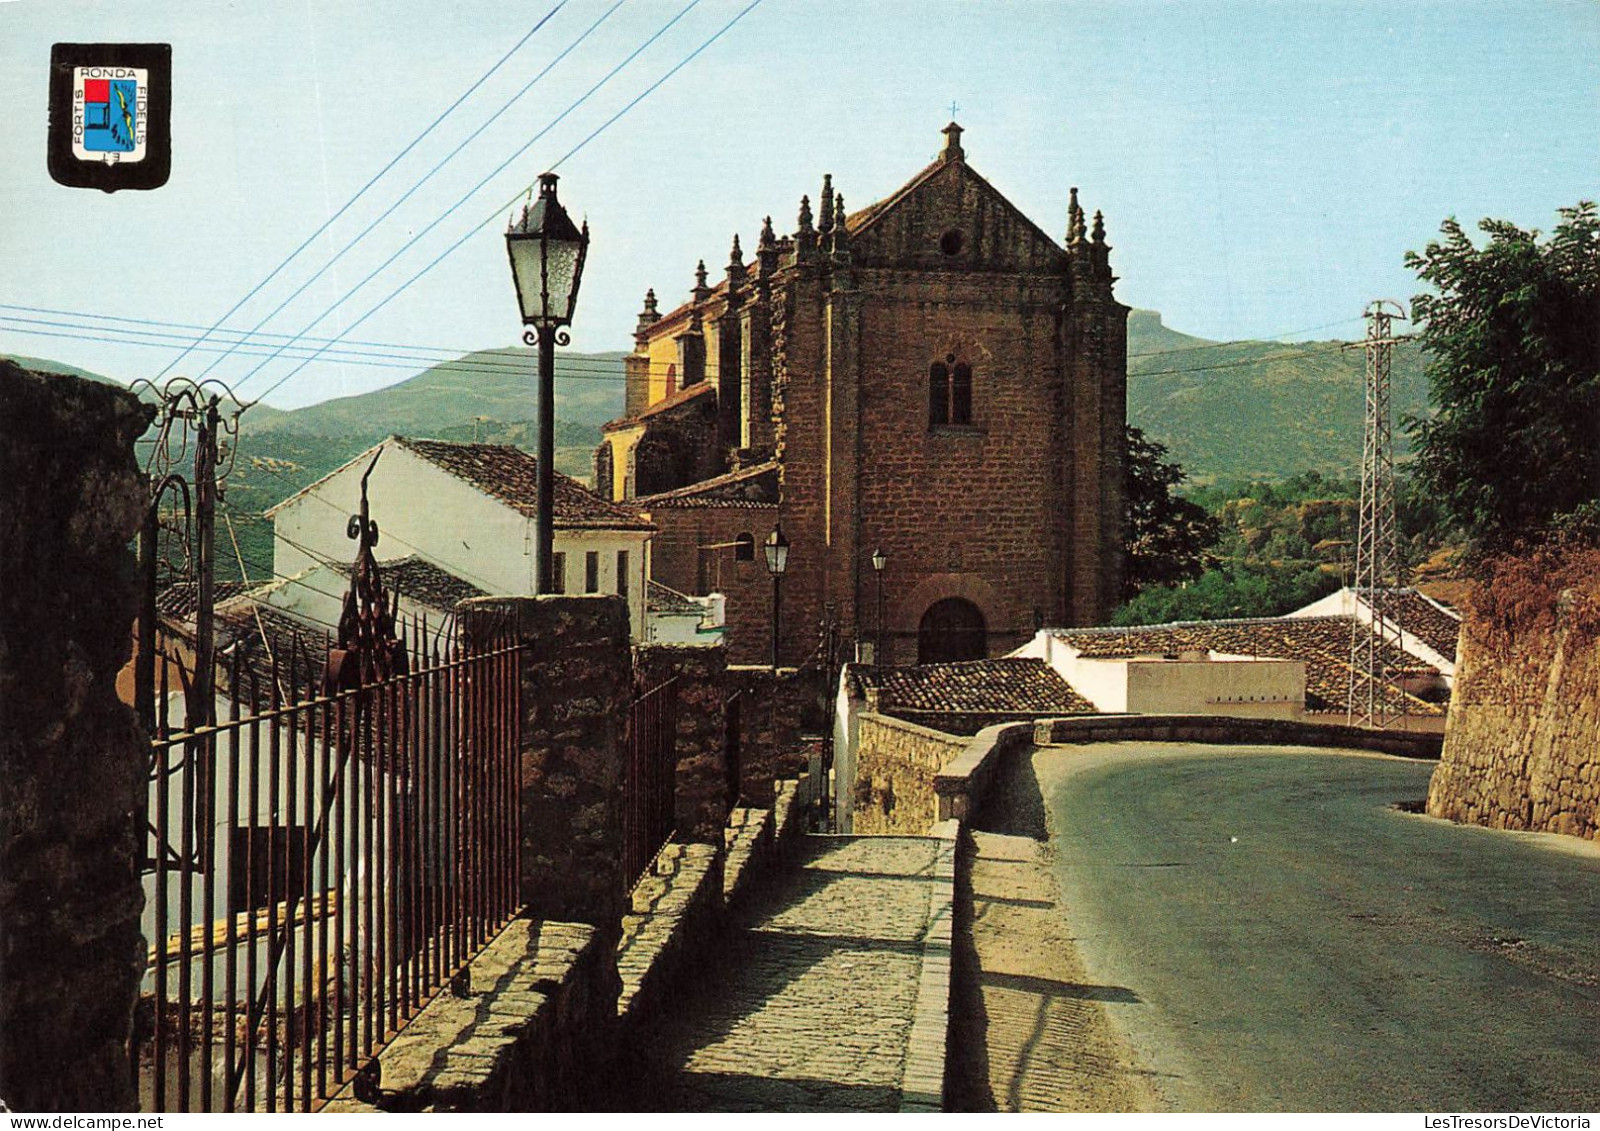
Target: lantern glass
pixel 777 551
pixel 879 560
pixel 547 252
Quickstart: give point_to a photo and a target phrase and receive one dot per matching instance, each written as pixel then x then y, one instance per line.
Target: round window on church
pixel 950 243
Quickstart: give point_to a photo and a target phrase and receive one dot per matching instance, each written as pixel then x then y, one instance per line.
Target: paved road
pixel 1270 934
pixel 809 1006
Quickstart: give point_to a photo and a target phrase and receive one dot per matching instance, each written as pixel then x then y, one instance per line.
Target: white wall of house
pixel 422 509
pixel 244 796
pixel 1198 683
pixel 848 709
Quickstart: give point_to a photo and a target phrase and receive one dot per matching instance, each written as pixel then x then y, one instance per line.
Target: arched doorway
pixel 952 629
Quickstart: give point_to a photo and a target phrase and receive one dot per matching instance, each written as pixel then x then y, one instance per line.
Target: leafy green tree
pixel 1166 537
pixel 1513 334
pixel 1230 590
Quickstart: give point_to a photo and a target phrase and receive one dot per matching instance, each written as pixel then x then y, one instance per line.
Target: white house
pixel 469 511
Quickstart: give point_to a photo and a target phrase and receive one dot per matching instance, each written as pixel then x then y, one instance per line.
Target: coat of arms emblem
pixel 110 115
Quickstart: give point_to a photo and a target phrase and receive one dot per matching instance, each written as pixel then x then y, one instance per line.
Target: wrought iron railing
pixel 649 816
pixel 321 863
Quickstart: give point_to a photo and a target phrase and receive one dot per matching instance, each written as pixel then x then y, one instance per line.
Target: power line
pixel 578 370
pixel 495 215
pixel 470 193
pixel 463 358
pixel 387 212
pixel 326 224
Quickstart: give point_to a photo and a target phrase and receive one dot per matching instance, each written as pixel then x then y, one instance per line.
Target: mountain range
pixel 1225 410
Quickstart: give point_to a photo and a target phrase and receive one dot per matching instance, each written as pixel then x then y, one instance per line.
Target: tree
pixel 1513 334
pixel 1166 537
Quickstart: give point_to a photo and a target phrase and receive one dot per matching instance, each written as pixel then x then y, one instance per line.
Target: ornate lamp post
pixel 777 551
pixel 879 561
pixel 547 252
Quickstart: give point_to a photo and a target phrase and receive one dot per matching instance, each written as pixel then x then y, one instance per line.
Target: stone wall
pixel 72 760
pixel 773 711
pixel 1228 729
pixel 538 1019
pixel 701 786
pixel 896 763
pixel 1520 745
pixel 577 684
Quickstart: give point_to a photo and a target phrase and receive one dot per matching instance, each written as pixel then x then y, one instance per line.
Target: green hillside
pixel 1258 410
pixel 494 384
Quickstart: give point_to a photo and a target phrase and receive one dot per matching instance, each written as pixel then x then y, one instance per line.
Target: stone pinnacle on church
pixel 649 316
pixel 952 143
pixel 825 211
pixel 769 238
pixel 1099 234
pixel 1074 216
pixel 735 256
pixel 701 291
pixel 841 234
pixel 805 215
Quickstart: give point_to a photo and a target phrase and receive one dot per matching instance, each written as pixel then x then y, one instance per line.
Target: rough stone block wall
pixel 539 1018
pixel 701 783
pixel 668 937
pixel 896 763
pixel 72 760
pixel 1522 741
pixel 577 684
pixel 771 710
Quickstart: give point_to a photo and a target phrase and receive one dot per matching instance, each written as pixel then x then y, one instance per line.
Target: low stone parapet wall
pixel 896 766
pixel 922 1085
pixel 1224 729
pixel 677 911
pixel 540 1013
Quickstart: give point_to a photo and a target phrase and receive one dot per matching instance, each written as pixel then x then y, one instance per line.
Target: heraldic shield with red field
pixel 113 102
pixel 110 107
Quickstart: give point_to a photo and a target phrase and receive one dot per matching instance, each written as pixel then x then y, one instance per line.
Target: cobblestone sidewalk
pixel 809 1006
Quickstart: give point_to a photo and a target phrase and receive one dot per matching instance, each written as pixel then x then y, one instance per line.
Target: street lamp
pixel 547 252
pixel 879 560
pixel 777 551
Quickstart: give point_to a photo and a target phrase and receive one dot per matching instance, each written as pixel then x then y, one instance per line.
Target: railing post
pixel 577 682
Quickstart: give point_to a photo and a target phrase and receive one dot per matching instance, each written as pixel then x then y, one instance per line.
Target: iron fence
pixel 322 861
pixel 649 816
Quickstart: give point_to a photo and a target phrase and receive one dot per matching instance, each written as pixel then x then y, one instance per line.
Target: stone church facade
pixel 933 376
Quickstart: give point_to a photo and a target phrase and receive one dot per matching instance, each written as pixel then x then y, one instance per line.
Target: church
pixel 931 384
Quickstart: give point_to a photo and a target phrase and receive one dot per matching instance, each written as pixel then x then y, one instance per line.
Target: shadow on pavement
pixel 1015 803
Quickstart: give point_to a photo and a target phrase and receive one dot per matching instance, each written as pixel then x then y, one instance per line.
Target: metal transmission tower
pixel 1379 567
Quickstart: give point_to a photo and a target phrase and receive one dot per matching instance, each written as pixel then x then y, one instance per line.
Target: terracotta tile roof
pixel 660 599
pixel 180 601
pixel 1322 643
pixel 1433 623
pixel 510 474
pixel 423 582
pixel 1015 686
pixel 678 397
pixel 749 488
pixel 292 652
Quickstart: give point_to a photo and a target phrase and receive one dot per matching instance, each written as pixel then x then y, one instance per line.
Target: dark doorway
pixel 952 630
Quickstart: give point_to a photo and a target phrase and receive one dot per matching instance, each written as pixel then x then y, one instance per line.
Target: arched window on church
pixel 938 394
pixel 672 379
pixel 949 393
pixel 961 395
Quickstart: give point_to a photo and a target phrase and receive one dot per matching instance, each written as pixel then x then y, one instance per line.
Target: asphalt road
pixel 1272 934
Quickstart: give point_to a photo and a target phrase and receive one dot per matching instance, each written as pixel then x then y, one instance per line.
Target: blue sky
pixel 1263 167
